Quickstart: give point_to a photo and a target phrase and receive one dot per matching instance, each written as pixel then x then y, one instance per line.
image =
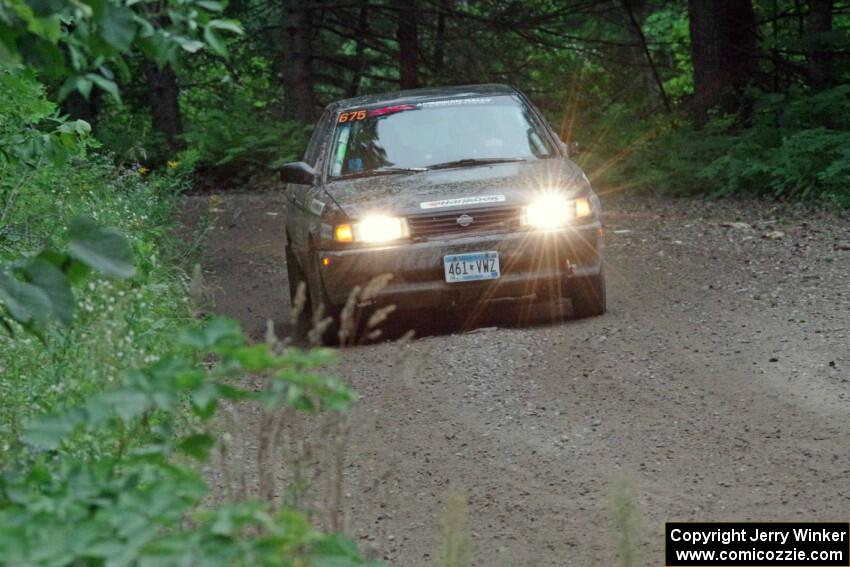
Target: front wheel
pixel 300 308
pixel 588 296
pixel 323 318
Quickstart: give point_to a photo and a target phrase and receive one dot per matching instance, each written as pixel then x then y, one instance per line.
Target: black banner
pixel 757 544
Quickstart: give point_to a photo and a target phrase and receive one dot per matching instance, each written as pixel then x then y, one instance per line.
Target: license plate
pixel 474 266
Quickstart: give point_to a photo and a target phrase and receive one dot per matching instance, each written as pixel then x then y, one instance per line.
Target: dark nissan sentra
pixel 463 194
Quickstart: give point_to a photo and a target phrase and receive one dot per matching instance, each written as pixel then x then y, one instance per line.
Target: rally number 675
pixel 353 115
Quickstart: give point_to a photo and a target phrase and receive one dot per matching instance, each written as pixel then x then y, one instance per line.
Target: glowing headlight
pixel 376 228
pixel 583 208
pixel 553 211
pixel 548 211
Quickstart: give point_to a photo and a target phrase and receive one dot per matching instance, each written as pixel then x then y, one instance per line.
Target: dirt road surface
pixel 716 388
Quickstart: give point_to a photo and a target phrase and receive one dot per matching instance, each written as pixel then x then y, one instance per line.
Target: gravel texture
pixel 716 388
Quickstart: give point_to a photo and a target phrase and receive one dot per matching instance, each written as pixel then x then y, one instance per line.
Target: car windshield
pixel 414 137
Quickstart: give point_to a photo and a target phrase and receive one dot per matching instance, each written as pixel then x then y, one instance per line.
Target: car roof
pixel 420 95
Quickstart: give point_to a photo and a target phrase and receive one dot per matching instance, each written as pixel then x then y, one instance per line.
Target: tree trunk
pixel 298 62
pixel 440 40
pixel 638 31
pixel 163 96
pixel 819 23
pixel 78 107
pixel 360 53
pixel 723 50
pixel 408 44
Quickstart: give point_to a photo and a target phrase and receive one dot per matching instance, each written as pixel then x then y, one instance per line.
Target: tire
pixel 295 275
pixel 588 296
pixel 318 302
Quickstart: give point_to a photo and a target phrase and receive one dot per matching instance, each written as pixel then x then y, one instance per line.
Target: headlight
pixel 553 211
pixel 376 228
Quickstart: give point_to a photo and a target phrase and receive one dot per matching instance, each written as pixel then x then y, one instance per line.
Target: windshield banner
pixel 461 202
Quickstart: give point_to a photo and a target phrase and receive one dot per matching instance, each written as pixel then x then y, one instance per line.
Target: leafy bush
pixel 105 474
pixel 31 136
pixel 85 43
pixel 795 148
pixel 240 137
pixel 126 131
pixel 37 291
pixel 136 504
pixel 231 128
pixel 117 322
pixel 237 139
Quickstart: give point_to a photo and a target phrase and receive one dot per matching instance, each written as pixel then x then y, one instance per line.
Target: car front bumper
pixel 534 264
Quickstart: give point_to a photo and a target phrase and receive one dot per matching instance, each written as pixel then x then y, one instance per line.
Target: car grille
pixel 482 219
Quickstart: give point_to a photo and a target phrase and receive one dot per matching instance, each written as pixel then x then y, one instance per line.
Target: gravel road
pixel 716 388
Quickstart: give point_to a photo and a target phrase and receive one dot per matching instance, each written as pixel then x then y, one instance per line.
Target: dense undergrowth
pixel 793 147
pixel 118 323
pixel 233 130
pixel 108 390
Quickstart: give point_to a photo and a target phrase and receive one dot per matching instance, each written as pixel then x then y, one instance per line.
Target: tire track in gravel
pixel 714 389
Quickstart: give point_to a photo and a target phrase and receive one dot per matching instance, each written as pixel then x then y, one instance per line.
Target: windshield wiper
pixel 388 170
pixel 473 161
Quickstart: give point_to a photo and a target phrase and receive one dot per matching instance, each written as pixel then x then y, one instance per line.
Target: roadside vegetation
pixel 109 385
pixel 117 323
pixel 685 98
pixel 794 148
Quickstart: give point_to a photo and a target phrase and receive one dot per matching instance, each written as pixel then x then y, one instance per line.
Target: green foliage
pixel 85 43
pixel 35 290
pixel 244 139
pixel 105 473
pixel 126 131
pixel 625 526
pixel 115 322
pixel 31 131
pixel 236 126
pixel 233 123
pixel 667 28
pixel 456 549
pixel 102 249
pixel 107 323
pixel 136 504
pixel 33 139
pixel 806 163
pixel 795 148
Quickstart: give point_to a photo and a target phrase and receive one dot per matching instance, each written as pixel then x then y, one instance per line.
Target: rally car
pixel 464 195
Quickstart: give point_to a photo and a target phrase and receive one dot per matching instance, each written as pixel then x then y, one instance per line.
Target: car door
pixel 299 197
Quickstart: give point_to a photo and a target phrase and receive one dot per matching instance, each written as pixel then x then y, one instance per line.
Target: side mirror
pixel 298 173
pixel 569 148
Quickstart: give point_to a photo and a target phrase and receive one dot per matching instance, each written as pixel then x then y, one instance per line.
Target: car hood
pixel 504 183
